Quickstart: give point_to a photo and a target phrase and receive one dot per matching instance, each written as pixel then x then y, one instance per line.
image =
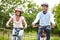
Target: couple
pixel 44 17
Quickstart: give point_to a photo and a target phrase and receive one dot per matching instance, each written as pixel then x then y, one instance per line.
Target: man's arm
pixel 36 20
pixel 52 20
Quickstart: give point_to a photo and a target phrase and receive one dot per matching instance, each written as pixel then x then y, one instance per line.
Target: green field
pixel 26 36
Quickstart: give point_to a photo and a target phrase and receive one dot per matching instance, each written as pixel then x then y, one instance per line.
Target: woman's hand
pixel 25 27
pixel 7 24
pixel 25 23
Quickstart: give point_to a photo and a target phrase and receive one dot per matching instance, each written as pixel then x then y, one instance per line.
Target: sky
pixel 51 3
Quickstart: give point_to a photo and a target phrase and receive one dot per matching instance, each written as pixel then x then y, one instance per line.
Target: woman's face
pixel 17 13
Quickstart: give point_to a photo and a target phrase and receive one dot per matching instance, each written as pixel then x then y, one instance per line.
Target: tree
pixel 56 11
pixel 7 8
pixel 57 15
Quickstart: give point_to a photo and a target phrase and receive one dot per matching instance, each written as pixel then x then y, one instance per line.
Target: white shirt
pixel 44 19
pixel 17 24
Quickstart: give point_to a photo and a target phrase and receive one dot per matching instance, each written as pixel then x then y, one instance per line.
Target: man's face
pixel 44 8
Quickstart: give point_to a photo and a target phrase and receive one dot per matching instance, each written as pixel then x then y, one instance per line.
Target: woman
pixel 17 19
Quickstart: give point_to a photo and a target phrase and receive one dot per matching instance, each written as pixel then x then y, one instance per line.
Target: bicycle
pixel 16 33
pixel 43 36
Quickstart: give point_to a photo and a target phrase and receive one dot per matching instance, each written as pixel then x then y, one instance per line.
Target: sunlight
pixel 51 3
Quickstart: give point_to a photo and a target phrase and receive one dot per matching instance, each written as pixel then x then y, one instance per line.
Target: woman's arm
pixel 25 23
pixel 7 24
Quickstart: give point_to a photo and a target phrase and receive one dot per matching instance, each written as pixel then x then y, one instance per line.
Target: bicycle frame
pixel 43 36
pixel 16 33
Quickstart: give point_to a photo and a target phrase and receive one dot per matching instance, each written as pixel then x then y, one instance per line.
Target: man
pixel 46 18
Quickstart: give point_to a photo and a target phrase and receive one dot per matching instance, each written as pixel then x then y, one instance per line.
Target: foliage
pixel 7 8
pixel 57 12
pixel 30 18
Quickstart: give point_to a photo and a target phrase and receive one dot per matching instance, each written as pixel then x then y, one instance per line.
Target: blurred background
pixel 30 9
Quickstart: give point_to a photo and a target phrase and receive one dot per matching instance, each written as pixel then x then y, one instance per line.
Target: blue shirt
pixel 44 19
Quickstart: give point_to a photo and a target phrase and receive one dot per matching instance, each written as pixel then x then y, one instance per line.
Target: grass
pixel 33 36
pixel 26 36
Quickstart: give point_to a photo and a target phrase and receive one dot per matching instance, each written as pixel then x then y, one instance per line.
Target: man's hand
pixel 33 25
pixel 53 25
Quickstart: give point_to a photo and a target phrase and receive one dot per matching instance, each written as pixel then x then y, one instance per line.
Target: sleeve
pixel 52 18
pixel 37 18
